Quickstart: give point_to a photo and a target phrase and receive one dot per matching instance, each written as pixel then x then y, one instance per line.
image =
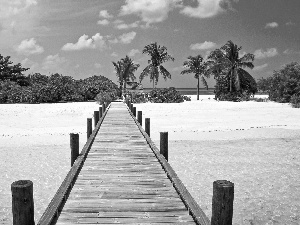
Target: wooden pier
pixel 120 177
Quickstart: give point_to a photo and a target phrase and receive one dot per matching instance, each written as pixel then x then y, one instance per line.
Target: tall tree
pixel 158 55
pixel 226 61
pixel 196 65
pixel 125 69
pixel 11 72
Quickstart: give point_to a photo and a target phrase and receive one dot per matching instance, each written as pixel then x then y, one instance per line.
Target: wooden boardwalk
pixel 122 181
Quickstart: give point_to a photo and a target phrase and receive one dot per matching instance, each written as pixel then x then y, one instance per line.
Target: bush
pixel 139 97
pixel 106 97
pixel 295 101
pixel 166 95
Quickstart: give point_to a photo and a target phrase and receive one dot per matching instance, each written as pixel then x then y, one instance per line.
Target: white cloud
pixel 54 63
pixel 98 65
pixel 27 63
pixel 18 19
pixel 29 47
pixel 103 22
pixel 127 37
pixel 122 26
pixel 105 14
pixel 290 23
pixel 114 54
pixel 84 42
pixel 270 52
pixel 208 8
pixel 133 52
pixel 150 11
pixel 271 25
pixel 290 52
pixel 261 67
pixel 203 46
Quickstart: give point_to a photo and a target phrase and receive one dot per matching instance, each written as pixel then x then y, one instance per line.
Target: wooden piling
pixel 164 144
pixel 147 126
pixel 103 108
pixel 22 202
pixel 140 117
pixel 134 111
pixel 74 145
pixel 96 118
pixel 100 112
pixel 89 127
pixel 222 202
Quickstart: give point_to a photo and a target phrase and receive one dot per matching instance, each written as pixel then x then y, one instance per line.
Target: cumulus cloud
pixel 290 52
pixel 123 26
pixel 84 42
pixel 208 8
pixel 98 65
pixel 126 38
pixel 103 22
pixel 53 63
pixel 114 54
pixel 271 25
pixel 261 67
pixel 105 14
pixel 18 18
pixel 29 47
pixel 203 46
pixel 133 52
pixel 290 23
pixel 27 63
pixel 270 52
pixel 150 11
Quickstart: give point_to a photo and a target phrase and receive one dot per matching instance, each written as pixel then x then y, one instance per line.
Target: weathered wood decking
pixel 123 181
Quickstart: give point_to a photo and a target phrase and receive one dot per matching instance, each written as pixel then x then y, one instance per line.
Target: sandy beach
pixel 255 145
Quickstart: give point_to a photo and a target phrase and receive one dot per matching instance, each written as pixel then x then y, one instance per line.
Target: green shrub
pixel 295 101
pixel 166 95
pixel 139 97
pixel 106 97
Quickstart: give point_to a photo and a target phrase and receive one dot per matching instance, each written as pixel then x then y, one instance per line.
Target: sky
pixel 81 38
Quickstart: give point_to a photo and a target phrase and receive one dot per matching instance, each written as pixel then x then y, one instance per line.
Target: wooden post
pixel 74 145
pixel 222 202
pixel 140 117
pixel 89 127
pixel 103 108
pixel 147 126
pixel 164 144
pixel 22 202
pixel 131 107
pixel 96 118
pixel 100 112
pixel 134 111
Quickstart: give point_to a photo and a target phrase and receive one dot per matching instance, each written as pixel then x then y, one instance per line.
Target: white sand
pixel 253 144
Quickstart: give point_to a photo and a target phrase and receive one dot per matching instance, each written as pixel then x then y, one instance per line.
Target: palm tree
pixel 158 56
pixel 196 65
pixel 125 69
pixel 226 61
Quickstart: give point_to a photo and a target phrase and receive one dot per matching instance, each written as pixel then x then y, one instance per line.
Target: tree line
pixel 224 64
pixel 38 88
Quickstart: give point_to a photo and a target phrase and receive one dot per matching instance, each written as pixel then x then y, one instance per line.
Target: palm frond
pixel 166 74
pixel 204 82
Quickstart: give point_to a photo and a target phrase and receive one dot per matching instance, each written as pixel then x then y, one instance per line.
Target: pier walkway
pixel 122 180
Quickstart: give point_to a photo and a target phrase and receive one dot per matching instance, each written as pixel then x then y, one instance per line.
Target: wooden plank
pixel 62 192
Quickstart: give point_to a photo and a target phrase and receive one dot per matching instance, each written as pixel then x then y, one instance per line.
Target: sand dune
pixel 253 144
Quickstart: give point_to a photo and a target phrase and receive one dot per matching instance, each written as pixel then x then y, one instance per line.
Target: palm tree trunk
pixel 198 88
pixel 153 83
pixel 230 81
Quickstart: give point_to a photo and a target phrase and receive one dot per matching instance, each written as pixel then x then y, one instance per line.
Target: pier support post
pixel 147 126
pixel 96 118
pixel 222 202
pixel 22 202
pixel 100 112
pixel 74 145
pixel 131 107
pixel 103 108
pixel 89 127
pixel 134 111
pixel 164 144
pixel 140 117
